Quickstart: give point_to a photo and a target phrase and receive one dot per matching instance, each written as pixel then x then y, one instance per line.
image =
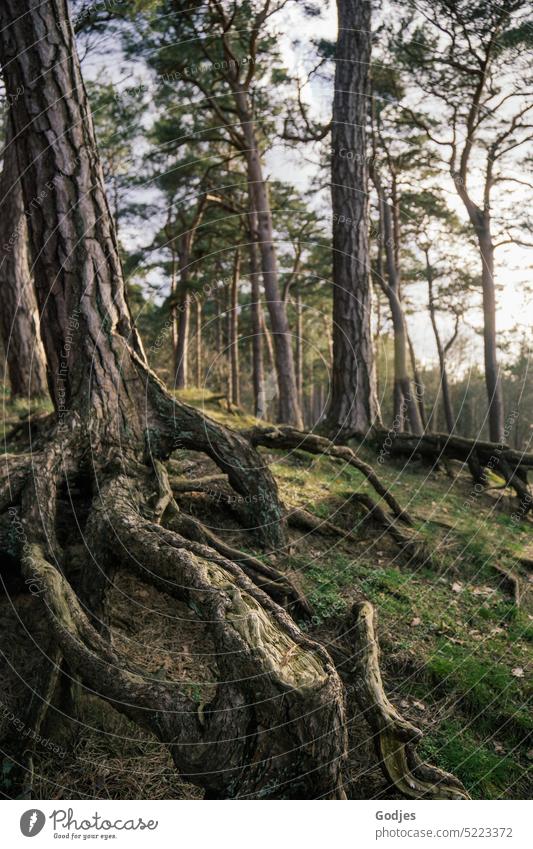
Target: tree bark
pixel 181 363
pixel 288 409
pixel 276 724
pixel 405 397
pixel 492 369
pixel 233 322
pixel 444 385
pixel 353 406
pixel 199 330
pixel 258 367
pixel 19 317
pixel 299 347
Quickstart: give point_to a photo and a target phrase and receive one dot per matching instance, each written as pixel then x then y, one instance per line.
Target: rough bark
pixel 258 366
pixel 198 331
pixel 288 409
pixel 181 362
pixel 353 407
pixel 513 465
pixel 444 385
pixel 233 322
pixel 406 407
pixel 19 318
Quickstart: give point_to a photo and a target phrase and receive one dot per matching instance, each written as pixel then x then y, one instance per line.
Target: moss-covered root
pixel 395 738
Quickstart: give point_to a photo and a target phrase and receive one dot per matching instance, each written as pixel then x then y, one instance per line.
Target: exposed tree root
pixel 511 582
pixel 288 437
pixel 278 585
pixel 395 738
pixel 204 484
pixel 297 517
pixel 513 465
pixel 409 544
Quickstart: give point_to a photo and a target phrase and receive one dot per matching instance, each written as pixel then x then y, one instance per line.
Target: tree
pixel 459 53
pixel 353 407
pixel 19 321
pixel 278 692
pixel 110 405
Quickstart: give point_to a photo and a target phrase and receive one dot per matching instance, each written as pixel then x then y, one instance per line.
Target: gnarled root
pixel 395 739
pixel 277 693
pixel 267 577
pixel 288 437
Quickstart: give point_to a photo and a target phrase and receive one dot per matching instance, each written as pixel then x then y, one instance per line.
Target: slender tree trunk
pixel 492 369
pixel 444 386
pixel 258 368
pixel 417 380
pixel 19 318
pixel 181 369
pixel 199 352
pixel 288 410
pixel 405 397
pixel 299 347
pixel 174 308
pixel 353 406
pixel 481 223
pixel 233 319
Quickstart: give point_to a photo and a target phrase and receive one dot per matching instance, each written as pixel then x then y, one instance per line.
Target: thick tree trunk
pixel 353 406
pixel 288 409
pixel 19 318
pixel 258 368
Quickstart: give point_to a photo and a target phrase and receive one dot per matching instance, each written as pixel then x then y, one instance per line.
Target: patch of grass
pixel 486 773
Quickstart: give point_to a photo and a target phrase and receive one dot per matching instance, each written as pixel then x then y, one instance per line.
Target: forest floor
pixel 455 646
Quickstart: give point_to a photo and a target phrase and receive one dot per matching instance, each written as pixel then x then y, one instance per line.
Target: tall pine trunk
pixel 19 317
pixel 353 407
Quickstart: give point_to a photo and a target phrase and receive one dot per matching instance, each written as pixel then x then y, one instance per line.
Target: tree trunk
pixel 299 347
pixel 233 322
pixel 19 318
pixel 258 368
pixel 199 353
pixel 181 364
pixel 288 409
pixel 417 380
pixel 492 369
pixel 353 406
pixel 405 397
